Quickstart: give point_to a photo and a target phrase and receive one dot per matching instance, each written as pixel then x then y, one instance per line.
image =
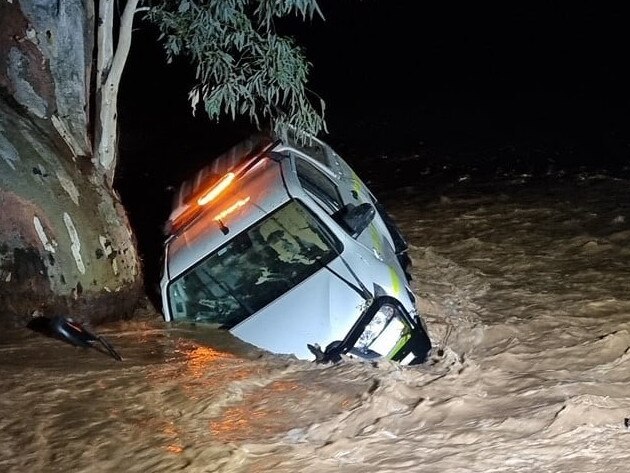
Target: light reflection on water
pixel 255 418
pixel 527 294
pixel 179 398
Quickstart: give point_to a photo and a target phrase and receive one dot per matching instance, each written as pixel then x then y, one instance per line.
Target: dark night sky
pixel 449 73
pixel 445 75
pixel 400 77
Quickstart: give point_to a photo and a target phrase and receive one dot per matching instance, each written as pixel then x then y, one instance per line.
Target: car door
pixel 354 191
pixel 352 187
pixel 323 185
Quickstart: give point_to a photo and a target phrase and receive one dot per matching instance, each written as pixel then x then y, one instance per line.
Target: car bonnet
pixel 320 310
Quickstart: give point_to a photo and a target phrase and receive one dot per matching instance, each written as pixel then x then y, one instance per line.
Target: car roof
pixel 243 152
pixel 246 150
pixel 257 192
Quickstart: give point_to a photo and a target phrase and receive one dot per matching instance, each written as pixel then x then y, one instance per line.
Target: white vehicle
pixel 283 245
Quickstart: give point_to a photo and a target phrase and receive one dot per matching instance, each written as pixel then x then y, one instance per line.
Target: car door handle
pixel 355 194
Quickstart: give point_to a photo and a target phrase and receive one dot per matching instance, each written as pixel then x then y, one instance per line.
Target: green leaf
pixel 243 67
pixel 184 6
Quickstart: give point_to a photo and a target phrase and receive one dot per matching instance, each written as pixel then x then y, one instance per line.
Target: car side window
pixel 314 150
pixel 318 184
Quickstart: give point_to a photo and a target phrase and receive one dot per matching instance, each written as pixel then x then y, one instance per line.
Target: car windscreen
pixel 254 268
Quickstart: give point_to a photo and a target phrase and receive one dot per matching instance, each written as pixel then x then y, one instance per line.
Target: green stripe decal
pixel 356 183
pixel 395 280
pixel 376 239
pixel 399 346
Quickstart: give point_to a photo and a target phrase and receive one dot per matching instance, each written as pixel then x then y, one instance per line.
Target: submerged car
pixel 279 242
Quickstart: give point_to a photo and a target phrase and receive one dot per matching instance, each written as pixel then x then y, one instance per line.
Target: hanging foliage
pixel 244 67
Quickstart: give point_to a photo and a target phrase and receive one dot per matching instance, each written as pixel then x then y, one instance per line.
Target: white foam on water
pixel 526 296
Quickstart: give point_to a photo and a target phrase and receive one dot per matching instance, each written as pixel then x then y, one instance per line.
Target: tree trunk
pixel 109 68
pixel 65 242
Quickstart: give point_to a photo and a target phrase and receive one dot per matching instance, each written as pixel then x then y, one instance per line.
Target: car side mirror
pixel 356 218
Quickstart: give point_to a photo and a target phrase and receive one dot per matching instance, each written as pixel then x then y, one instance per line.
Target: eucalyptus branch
pixel 243 66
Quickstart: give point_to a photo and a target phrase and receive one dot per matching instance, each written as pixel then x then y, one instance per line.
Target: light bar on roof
pixel 187 210
pixel 216 189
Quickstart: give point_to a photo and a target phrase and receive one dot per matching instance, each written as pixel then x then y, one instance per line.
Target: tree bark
pixel 109 73
pixel 65 241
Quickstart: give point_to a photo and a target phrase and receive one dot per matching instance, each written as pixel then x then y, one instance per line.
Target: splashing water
pixel 525 291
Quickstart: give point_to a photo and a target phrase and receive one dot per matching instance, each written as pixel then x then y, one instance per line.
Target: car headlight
pixel 375 327
pixel 390 333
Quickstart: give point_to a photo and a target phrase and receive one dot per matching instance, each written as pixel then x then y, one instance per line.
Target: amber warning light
pixel 216 189
pixel 193 207
pixel 231 209
pixel 208 196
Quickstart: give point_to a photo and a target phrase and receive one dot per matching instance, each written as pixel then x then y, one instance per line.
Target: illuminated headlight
pixel 375 327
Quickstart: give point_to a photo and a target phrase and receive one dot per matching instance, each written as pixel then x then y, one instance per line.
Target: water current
pixel 524 287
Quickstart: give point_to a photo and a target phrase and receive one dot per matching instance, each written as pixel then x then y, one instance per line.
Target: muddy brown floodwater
pixel 525 290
